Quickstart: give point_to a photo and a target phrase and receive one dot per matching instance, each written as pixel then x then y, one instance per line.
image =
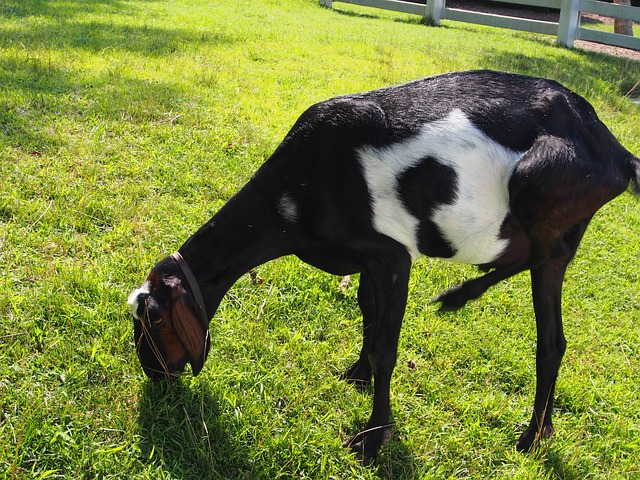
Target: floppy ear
pixel 192 334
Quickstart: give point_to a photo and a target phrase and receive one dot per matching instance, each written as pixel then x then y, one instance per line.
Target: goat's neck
pixel 245 233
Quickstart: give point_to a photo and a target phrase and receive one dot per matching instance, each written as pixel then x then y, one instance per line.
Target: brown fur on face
pixel 167 329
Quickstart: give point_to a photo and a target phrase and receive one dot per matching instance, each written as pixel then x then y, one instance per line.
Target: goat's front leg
pixel 389 283
pixel 546 285
pixel 360 372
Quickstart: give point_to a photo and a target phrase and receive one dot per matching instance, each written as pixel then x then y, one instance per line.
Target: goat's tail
pixel 635 177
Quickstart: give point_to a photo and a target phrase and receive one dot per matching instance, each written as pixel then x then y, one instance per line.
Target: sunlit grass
pixel 608 27
pixel 124 125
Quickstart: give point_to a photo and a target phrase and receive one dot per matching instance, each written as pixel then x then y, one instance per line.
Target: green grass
pixel 125 124
pixel 608 27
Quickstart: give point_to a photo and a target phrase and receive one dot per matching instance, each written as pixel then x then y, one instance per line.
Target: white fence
pixel 567 29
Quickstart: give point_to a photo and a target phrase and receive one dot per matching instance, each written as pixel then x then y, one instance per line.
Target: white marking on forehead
pixel 288 208
pixel 472 223
pixel 133 298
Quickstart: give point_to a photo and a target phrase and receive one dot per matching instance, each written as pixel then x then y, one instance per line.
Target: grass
pixel 125 124
pixel 608 27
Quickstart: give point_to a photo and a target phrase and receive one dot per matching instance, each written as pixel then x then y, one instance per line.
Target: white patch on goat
pixel 134 296
pixel 381 168
pixel 471 224
pixel 288 208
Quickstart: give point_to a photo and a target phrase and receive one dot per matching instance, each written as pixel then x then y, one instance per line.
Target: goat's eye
pixel 149 314
pixel 156 322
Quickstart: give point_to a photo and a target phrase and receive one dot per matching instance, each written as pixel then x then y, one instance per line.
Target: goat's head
pixel 169 327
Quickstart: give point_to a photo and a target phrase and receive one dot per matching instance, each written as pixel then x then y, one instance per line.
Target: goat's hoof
pixel 532 436
pixel 359 450
pixel 358 375
pixel 451 301
pixel 366 444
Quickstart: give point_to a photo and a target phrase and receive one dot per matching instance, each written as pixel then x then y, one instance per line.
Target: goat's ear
pixel 192 334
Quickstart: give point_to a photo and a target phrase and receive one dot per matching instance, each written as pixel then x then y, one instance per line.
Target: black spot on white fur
pixel 423 189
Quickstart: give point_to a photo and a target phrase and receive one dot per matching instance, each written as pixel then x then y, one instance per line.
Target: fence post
pixel 434 11
pixel 568 22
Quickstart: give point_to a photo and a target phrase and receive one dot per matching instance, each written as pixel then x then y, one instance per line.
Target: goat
pixel 493 169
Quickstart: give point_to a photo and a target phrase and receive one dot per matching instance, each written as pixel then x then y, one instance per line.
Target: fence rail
pixel 567 29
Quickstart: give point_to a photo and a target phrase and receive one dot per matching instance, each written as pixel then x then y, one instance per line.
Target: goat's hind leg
pixel 546 285
pixel 553 196
pixel 456 297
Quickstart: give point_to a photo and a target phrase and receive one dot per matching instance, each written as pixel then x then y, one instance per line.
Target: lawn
pixel 608 27
pixel 125 124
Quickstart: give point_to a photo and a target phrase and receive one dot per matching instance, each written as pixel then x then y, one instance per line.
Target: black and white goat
pixel 493 169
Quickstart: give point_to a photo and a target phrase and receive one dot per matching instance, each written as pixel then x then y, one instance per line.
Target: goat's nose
pixel 177 367
pixel 155 374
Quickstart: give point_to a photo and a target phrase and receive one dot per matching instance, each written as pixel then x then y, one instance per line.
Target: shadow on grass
pixel 410 19
pixel 22 8
pixel 396 461
pixel 35 84
pixel 183 432
pixel 350 13
pixel 557 467
pixel 99 37
pixel 36 91
pixel 589 73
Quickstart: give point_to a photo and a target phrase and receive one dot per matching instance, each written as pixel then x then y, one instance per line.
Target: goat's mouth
pixel 156 362
pixel 177 367
pixel 157 374
pixel 158 368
